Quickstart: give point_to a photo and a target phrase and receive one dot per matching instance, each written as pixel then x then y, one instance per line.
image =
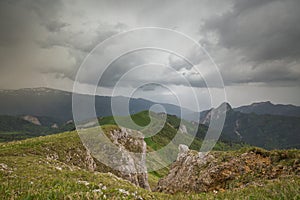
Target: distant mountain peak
pixel 262 103
pixel 215 112
pixel 225 105
pixel 42 89
pixel 267 107
pixel 57 104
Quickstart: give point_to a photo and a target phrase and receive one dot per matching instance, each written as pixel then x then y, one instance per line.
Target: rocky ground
pixel 220 171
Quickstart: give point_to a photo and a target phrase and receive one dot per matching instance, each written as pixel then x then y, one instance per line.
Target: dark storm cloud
pixel 77 44
pixel 55 26
pixel 20 20
pixel 45 26
pixel 119 67
pixel 16 23
pixel 262 29
pixel 253 42
pixel 150 87
pixel 194 57
pixel 141 66
pixel 256 41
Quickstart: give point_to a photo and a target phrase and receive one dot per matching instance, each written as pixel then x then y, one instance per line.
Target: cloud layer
pixel 254 43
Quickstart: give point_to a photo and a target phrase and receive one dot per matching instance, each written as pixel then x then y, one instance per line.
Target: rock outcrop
pixel 121 150
pixel 130 162
pixel 214 113
pixel 126 160
pixel 32 119
pixel 217 171
pixel 54 125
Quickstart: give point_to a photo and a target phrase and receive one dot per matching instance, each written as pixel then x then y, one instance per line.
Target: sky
pixel 254 45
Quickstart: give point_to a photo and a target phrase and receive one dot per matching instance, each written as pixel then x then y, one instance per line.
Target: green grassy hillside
pixel 54 167
pixel 265 131
pixel 261 130
pixel 15 128
pixel 169 130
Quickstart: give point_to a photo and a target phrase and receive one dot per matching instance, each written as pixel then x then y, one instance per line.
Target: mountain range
pixel 57 104
pixel 267 107
pixel 262 130
pixel 42 111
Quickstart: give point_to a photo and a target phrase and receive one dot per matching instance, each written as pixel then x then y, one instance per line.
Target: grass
pixel 168 131
pixel 54 167
pixel 27 172
pixel 14 128
pixel 34 177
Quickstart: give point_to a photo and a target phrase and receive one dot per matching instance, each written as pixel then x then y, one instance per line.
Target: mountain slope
pixel 58 104
pixel 269 108
pixel 266 131
pixel 18 127
pixel 170 129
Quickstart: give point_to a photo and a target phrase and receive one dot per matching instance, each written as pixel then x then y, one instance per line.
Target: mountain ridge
pixel 58 103
pixel 268 107
pixel 262 130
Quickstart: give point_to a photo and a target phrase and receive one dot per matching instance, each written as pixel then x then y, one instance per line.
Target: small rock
pixel 3 166
pixel 83 182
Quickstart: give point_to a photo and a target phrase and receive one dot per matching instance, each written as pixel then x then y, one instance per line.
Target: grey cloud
pixel 256 42
pixel 83 40
pixel 274 73
pixel 263 30
pixel 179 63
pixel 17 24
pixel 46 10
pixel 183 75
pixel 78 43
pixel 150 87
pixel 55 26
pixel 119 67
pixel 194 57
pixel 252 42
